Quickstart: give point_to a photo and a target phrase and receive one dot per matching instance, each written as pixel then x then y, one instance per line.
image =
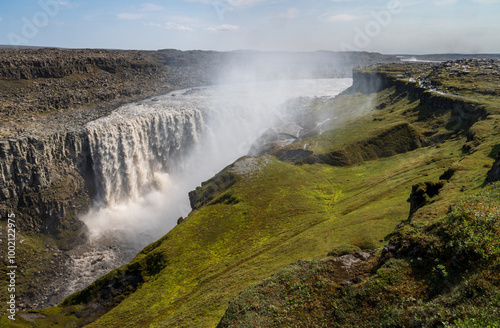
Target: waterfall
pixel 131 147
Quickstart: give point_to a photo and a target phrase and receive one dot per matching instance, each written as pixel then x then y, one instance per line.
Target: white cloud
pixel 142 13
pixel 177 27
pixel 130 16
pixel 169 26
pixel 68 4
pixel 238 3
pixel 488 1
pixel 232 3
pixel 341 18
pixel 224 27
pixel 291 13
pixel 151 7
pixel 411 4
pixel 183 19
pixel 153 24
pixel 445 2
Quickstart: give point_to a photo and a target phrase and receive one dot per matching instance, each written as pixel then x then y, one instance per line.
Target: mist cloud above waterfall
pixel 422 26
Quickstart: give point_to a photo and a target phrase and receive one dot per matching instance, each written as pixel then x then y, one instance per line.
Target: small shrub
pixel 473 323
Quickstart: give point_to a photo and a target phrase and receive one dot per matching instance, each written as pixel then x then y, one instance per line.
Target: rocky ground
pixel 45 90
pixel 49 90
pixel 459 77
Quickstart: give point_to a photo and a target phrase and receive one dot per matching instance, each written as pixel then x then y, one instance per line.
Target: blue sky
pixel 387 26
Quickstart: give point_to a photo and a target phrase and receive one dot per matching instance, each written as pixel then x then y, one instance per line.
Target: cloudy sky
pixel 387 26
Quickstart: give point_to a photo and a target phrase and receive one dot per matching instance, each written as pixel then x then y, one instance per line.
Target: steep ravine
pixel 51 181
pixel 47 176
pixel 153 261
pixel 107 293
pixel 228 200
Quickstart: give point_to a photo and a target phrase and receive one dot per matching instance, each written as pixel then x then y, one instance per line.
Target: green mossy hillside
pixel 442 273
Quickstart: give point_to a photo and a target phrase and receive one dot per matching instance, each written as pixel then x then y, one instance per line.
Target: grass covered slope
pixel 440 268
pixel 442 273
pixel 261 214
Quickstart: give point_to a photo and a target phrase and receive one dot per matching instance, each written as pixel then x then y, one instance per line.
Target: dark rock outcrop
pixel 369 82
pixel 293 155
pixel 448 174
pixel 212 189
pixel 494 173
pixel 422 193
pixel 106 292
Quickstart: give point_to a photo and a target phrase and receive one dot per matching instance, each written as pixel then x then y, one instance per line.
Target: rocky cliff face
pixel 43 182
pixel 494 172
pixel 43 178
pixel 54 63
pixel 47 80
pixel 433 86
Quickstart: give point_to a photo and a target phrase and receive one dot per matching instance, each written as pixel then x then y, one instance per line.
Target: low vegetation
pixel 442 273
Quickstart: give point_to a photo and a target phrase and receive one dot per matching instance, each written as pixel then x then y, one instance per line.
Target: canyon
pixel 333 178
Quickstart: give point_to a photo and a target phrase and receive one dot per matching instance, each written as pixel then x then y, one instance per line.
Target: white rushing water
pixel 148 155
pixel 135 144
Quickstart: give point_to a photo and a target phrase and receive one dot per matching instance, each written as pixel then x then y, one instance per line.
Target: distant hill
pixel 445 57
pixel 7 46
